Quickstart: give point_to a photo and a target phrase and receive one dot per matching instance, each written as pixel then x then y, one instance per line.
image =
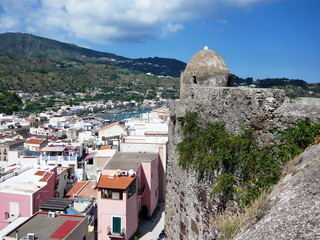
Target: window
pixel 116 224
pixel 132 189
pixel 115 195
pixel 112 194
pixel 194 79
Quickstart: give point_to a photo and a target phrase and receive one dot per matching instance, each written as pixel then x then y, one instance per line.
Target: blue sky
pixel 256 38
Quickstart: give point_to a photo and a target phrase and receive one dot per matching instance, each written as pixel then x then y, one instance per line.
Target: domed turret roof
pixel 207 60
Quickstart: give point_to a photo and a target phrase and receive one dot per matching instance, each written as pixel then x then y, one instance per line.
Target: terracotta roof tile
pixel 46 177
pixel 76 187
pixel 40 173
pixel 83 189
pixel 116 182
pixel 35 141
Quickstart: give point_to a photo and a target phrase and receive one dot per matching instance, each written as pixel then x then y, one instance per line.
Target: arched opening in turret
pixel 194 79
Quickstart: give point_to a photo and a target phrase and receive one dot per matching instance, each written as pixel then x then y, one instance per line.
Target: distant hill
pixel 31 46
pixel 292 87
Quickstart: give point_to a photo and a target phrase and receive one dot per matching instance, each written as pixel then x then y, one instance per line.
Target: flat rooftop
pixel 45 227
pixel 126 161
pixel 23 183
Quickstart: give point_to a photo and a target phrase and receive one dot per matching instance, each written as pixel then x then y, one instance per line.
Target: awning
pixel 91 155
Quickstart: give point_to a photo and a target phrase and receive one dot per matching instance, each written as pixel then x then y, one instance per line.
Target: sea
pixel 122 115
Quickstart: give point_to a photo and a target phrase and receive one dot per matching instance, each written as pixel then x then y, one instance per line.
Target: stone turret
pixel 205 69
pixel 190 211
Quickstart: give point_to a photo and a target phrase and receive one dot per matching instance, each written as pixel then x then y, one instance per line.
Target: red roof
pixel 65 229
pixel 105 147
pixel 116 182
pixel 35 141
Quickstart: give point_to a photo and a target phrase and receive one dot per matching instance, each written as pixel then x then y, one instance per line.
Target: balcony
pixel 113 235
pixel 141 190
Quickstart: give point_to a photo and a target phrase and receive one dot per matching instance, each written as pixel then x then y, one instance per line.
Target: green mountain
pixel 31 46
pixel 35 64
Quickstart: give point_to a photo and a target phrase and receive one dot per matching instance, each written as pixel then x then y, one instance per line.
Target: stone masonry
pixel 190 213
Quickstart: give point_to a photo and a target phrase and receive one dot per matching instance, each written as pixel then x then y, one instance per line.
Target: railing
pixel 112 234
pixel 49 158
pixel 141 190
pixel 60 158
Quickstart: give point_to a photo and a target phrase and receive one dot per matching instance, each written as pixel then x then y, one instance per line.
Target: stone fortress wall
pixel 190 214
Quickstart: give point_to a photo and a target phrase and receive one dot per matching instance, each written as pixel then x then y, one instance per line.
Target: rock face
pixel 294 204
pixel 190 213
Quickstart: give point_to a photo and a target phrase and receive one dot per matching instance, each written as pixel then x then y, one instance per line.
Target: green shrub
pixel 239 168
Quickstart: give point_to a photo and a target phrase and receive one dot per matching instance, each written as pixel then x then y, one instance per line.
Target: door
pixel 14 209
pixel 116 222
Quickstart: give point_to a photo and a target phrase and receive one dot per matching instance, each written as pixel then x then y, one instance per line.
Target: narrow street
pixel 151 229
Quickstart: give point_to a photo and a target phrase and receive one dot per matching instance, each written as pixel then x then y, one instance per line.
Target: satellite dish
pixel 118 172
pixel 131 172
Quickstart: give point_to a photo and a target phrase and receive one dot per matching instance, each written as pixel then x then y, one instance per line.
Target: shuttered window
pixel 116 222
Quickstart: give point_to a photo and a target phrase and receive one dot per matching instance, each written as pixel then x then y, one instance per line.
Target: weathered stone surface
pixel 294 202
pixel 190 213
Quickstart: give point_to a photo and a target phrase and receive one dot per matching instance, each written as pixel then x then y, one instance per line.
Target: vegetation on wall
pixel 239 168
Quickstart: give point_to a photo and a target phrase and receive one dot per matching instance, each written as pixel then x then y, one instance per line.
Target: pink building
pixel 22 191
pixel 128 191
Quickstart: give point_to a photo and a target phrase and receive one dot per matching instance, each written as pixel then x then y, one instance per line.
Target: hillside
pixel 292 87
pixel 30 46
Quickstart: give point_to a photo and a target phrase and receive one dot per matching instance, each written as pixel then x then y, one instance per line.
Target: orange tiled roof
pixel 46 177
pixel 35 141
pixel 83 189
pixel 76 188
pixel 40 173
pixel 111 125
pixel 116 182
pixel 88 191
pixel 105 147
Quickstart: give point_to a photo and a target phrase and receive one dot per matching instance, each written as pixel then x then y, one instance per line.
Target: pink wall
pixel 106 209
pixel 127 209
pixel 150 176
pixel 44 193
pixel 24 206
pixel 132 220
pixel 162 171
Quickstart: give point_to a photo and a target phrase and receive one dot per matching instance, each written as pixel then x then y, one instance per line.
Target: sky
pixel 256 38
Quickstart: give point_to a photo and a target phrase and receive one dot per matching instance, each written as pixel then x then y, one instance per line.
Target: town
pixel 81 177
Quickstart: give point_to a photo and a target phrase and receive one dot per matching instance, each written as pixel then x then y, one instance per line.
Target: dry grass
pixel 230 225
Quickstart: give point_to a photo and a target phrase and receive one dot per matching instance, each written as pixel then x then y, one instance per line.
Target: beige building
pixel 8 146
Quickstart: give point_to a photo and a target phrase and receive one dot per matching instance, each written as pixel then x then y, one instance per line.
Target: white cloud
pixel 107 20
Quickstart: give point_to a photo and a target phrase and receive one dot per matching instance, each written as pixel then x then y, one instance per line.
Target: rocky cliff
pixel 294 204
